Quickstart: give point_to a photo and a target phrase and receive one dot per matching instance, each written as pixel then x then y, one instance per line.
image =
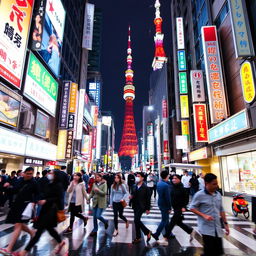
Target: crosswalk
pixel 240 242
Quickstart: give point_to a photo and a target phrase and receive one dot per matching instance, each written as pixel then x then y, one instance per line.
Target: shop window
pixel 233 172
pixel 225 174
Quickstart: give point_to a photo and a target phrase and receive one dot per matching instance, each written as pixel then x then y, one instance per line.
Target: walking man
pixel 185 181
pixel 207 204
pixel 140 201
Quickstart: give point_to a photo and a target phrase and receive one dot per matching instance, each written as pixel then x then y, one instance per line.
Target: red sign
pixel 166 150
pixel 164 109
pixel 94 137
pixel 200 122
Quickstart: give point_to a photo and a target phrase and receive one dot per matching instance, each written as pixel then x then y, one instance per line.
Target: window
pixel 222 15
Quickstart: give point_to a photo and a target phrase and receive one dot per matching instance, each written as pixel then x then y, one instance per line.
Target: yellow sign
pixel 73 98
pixel 62 143
pixel 247 82
pixel 185 127
pixel 198 154
pixel 184 106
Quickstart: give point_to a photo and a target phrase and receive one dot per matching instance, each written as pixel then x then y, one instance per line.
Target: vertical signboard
pixel 180 33
pixel 183 83
pixel 73 97
pixel 182 65
pixel 200 122
pixel 197 86
pixel 95 92
pixel 184 106
pixel 15 18
pixel 241 29
pixel 62 143
pixel 80 114
pixel 247 80
pixel 165 131
pixel 88 26
pixel 214 76
pixel 69 144
pixel 185 127
pixel 63 118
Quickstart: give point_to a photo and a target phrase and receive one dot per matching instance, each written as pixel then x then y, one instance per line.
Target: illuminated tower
pixel 129 143
pixel 160 57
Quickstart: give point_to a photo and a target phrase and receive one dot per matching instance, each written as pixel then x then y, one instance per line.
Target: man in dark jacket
pixel 131 181
pixel 12 180
pixel 164 202
pixel 140 201
pixel 64 180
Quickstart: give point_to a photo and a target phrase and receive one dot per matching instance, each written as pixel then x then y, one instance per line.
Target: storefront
pixel 234 143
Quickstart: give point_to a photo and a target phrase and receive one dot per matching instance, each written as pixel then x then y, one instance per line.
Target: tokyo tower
pixel 129 143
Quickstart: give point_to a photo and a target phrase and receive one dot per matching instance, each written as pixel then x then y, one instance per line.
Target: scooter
pixel 240 205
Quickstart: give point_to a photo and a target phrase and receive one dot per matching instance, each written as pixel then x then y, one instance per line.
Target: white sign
pixel 80 115
pixel 182 142
pixel 40 149
pixel 88 26
pixel 180 33
pixel 12 142
pixel 197 86
pixel 56 13
pixel 150 145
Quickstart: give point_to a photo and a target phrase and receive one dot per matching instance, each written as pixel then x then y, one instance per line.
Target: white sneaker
pixel 163 242
pixel 192 236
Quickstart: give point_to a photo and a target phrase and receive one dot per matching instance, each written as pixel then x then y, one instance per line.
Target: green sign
pixel 40 86
pixel 183 82
pixel 182 60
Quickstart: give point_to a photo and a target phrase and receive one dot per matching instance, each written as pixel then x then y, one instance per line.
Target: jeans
pixel 138 224
pixel 118 209
pixel 164 222
pixel 97 215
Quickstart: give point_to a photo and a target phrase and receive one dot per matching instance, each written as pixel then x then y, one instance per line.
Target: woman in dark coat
pixel 194 184
pixel 47 219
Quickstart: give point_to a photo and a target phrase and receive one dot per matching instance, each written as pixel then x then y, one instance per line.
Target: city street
pixel 240 242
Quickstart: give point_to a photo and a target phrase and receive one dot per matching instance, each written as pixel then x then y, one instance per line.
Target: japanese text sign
pixel 63 117
pixel 62 143
pixel 183 82
pixel 241 29
pixel 182 60
pixel 69 147
pixel 197 86
pixel 73 98
pixel 180 33
pixel 214 76
pixel 247 82
pixel 184 127
pixel 71 121
pixel 40 86
pixel 235 124
pixel 184 106
pixel 15 16
pixel 80 114
pixel 200 122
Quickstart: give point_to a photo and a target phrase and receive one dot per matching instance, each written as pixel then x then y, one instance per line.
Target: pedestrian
pixel 178 201
pixel 131 180
pixel 194 184
pixel 99 200
pixel 77 196
pixel 207 204
pixel 27 192
pixel 64 180
pixel 164 202
pixel 201 181
pixel 90 183
pixel 185 181
pixel 12 181
pixel 19 174
pixel 85 178
pixel 150 183
pixel 37 178
pixel 47 219
pixel 156 179
pixel 118 197
pixel 3 189
pixel 140 202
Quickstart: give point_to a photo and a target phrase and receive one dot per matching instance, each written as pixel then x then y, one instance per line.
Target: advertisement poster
pixel 9 106
pixel 15 16
pixel 40 86
pixel 42 121
pixel 52 35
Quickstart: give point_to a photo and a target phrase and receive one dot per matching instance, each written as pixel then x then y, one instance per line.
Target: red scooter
pixel 240 205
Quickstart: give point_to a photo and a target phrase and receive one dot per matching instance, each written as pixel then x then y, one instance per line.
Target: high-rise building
pixel 129 143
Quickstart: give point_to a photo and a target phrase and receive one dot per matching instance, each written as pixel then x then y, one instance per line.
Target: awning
pixel 184 166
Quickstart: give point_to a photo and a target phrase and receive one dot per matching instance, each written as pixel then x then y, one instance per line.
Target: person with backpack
pixel 118 196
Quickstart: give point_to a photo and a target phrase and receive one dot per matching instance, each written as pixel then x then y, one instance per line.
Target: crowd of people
pixel 43 200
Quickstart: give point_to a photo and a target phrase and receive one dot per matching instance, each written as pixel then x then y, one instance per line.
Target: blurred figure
pixel 201 181
pixel 85 178
pixel 185 181
pixel 118 195
pixel 207 204
pixel 12 180
pixel 99 200
pixel 156 179
pixel 150 183
pixel 3 189
pixel 140 202
pixel 27 192
pixel 194 185
pixel 47 219
pixel 91 182
pixel 131 180
pixel 19 174
pixel 77 195
pixel 37 178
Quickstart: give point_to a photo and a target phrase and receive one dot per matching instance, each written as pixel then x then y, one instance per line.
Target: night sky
pixel 117 15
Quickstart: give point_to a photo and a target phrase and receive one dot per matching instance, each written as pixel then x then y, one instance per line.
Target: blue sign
pixel 232 125
pixel 182 60
pixel 95 92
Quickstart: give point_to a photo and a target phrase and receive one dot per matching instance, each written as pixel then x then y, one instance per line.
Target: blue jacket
pixel 164 195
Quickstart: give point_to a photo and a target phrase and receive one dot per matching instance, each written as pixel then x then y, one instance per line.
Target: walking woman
pixel 194 184
pixel 118 196
pixel 178 201
pixel 47 219
pixel 99 202
pixel 77 195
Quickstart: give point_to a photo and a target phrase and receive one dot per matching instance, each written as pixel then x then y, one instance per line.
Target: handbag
pixel 124 204
pixel 28 212
pixel 61 216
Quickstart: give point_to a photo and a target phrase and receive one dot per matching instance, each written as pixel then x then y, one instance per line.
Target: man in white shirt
pixel 150 183
pixel 185 181
pixel 201 181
